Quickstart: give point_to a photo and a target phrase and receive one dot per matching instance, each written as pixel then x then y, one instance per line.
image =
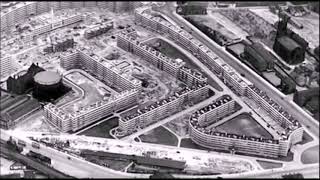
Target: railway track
pixel 50 172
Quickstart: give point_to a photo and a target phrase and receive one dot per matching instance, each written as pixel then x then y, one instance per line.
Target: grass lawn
pixel 187 143
pixel 174 53
pixel 102 130
pixel 244 124
pixel 305 138
pixel 159 136
pixel 310 155
pixel 269 165
pixel 180 125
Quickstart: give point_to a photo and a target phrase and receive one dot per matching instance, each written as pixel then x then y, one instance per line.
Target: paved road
pixel 30 162
pixel 184 152
pixel 170 118
pixel 75 167
pixel 259 82
pixel 310 171
pixel 250 158
pixel 307 172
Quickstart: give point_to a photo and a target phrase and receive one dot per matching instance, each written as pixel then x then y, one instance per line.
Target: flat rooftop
pixel 47 18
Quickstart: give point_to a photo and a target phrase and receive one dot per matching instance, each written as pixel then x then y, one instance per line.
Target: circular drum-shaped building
pixel 47 84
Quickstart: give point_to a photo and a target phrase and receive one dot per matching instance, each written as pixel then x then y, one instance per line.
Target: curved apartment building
pixel 291 130
pixel 226 141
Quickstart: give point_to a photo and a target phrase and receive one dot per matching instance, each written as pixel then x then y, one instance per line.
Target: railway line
pixel 50 172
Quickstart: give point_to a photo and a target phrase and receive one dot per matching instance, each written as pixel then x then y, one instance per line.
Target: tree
pixel 161 175
pixel 293 176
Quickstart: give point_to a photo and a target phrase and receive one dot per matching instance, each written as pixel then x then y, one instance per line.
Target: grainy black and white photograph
pixel 159 90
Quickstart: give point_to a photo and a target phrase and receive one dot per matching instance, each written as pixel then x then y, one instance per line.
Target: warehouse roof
pixel 259 52
pixel 288 43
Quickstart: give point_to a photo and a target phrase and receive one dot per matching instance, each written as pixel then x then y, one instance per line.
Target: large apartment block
pixel 23 10
pixel 92 63
pixel 215 111
pixel 128 43
pixel 8 66
pixel 47 27
pixel 160 110
pixel 173 67
pixel 217 140
pixel 74 121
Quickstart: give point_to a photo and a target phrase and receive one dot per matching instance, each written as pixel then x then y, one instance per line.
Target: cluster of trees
pixel 191 8
pixel 293 176
pixel 217 36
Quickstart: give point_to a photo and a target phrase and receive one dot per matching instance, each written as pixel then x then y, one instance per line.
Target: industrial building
pixel 259 57
pixel 19 84
pixel 287 84
pixel 262 60
pixel 289 45
pixel 48 85
pixel 45 85
pixel 16 108
pixel 301 97
pixel 308 99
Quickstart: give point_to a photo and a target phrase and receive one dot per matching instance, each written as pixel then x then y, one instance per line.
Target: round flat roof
pixel 47 77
